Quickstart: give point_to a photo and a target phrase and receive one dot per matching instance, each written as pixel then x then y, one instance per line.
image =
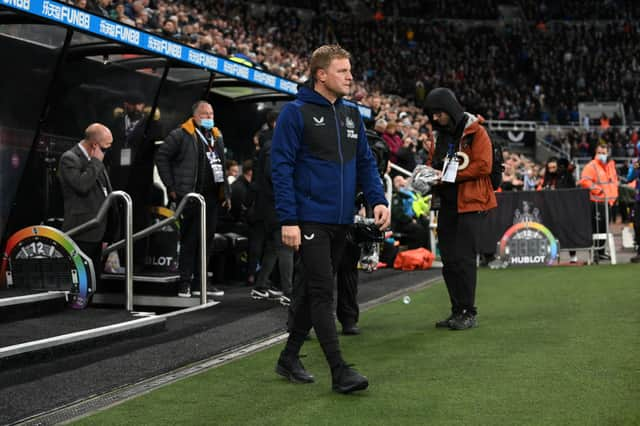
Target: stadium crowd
pixel 529 72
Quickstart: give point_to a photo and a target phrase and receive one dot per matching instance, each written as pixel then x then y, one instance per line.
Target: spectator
pixel 232 171
pixel 241 200
pixel 530 180
pixel 393 140
pixel 556 177
pixel 412 225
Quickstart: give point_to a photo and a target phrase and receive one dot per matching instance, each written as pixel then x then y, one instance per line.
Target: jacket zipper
pixel 198 159
pixel 335 115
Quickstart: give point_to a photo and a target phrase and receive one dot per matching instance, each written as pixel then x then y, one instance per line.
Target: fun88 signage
pixel 106 28
pixel 66 15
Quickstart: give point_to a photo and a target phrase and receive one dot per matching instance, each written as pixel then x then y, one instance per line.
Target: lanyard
pixel 129 125
pixel 205 142
pixel 451 151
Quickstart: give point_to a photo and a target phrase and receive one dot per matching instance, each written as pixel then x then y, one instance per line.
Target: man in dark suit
pixel 130 161
pixel 85 185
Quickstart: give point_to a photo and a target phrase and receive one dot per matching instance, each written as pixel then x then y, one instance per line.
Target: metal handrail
pixel 128 230
pixel 176 215
pixel 400 169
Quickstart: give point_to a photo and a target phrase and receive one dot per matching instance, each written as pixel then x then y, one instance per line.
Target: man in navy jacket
pixel 319 154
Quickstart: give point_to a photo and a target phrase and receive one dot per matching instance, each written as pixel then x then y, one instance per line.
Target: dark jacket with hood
pixel 466 134
pixel 178 160
pixel 319 154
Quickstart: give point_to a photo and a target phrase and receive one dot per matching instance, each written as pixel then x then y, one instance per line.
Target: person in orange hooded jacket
pixel 601 178
pixel 464 203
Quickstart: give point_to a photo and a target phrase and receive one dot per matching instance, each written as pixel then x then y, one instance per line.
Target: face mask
pixel 104 150
pixel 602 158
pixel 207 123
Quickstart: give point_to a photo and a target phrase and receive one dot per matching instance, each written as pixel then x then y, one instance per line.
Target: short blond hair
pixel 323 55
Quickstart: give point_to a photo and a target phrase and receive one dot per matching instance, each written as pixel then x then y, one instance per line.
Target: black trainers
pixel 184 289
pixel 445 323
pixel 463 322
pixel 350 330
pixel 635 259
pixel 292 369
pixel 285 300
pixel 346 380
pixel 260 293
pixel 274 293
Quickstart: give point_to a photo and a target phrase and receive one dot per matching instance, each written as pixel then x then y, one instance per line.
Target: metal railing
pixel 128 230
pixel 157 226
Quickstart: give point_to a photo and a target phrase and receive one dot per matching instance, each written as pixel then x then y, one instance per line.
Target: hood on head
pixel 442 99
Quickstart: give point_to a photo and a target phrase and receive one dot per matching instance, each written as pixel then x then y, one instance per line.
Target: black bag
pixel 497 165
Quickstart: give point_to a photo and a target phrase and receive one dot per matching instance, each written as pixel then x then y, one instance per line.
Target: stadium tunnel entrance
pixel 62 80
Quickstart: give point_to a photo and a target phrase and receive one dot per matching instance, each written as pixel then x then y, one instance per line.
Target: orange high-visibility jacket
pixel 602 180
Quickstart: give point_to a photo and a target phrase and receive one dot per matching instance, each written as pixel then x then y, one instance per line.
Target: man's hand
pixel 173 196
pixel 227 204
pixel 381 216
pixel 438 179
pixel 291 236
pixel 97 153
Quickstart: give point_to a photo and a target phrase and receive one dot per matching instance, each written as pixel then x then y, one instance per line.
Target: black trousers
pixel 188 259
pixel 347 310
pixel 255 250
pixel 458 241
pixel 320 253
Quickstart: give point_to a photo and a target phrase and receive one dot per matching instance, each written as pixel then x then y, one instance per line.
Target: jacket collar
pixel 308 95
pixel 189 126
pixel 474 122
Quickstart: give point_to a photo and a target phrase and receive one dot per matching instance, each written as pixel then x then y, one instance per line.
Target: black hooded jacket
pixel 444 100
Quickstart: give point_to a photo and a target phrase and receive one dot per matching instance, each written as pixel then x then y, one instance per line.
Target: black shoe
pixel 463 322
pixel 292 369
pixel 260 293
pixel 346 380
pixel 635 259
pixel 350 330
pixel 273 293
pixel 184 289
pixel 285 300
pixel 445 323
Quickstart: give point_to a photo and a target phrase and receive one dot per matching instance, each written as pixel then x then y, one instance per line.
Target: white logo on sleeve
pixel 318 121
pixel 349 123
pixel 309 237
